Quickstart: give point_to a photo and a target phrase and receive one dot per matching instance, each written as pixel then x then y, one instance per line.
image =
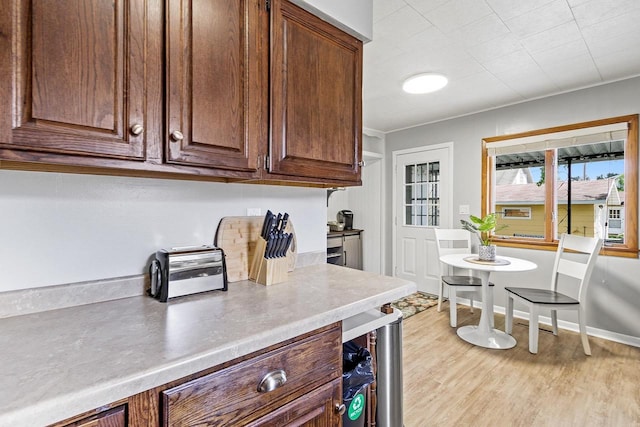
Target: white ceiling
pixel 495 53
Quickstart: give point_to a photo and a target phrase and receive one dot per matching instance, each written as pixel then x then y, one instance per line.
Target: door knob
pixel 176 135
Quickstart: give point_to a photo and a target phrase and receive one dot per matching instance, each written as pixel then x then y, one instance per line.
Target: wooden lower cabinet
pixel 231 394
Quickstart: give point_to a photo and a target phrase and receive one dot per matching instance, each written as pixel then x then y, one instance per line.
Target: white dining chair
pixel 564 265
pixel 457 241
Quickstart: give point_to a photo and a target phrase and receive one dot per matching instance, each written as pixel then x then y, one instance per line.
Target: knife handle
pixel 268 246
pixel 265 225
pixel 285 219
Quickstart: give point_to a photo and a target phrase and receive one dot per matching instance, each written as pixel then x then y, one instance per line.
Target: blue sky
pixel 594 169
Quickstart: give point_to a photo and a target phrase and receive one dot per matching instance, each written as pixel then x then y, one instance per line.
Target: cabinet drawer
pixel 115 417
pixel 334 242
pixel 231 396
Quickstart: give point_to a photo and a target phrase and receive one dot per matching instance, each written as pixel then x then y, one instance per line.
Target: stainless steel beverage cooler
pixel 389 384
pixel 389 377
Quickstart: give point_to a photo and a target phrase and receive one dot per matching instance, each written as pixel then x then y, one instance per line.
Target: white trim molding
pixel 563 324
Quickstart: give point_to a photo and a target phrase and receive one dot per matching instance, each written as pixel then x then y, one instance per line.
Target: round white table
pixel 484 335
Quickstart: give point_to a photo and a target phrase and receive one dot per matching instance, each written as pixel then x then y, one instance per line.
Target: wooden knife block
pixel 267 271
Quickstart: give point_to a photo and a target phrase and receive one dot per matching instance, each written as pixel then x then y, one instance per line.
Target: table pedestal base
pixel 494 339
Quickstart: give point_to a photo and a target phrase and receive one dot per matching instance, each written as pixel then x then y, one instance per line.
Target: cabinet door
pixel 215 89
pixel 316 409
pixel 79 76
pixel 316 97
pixel 352 251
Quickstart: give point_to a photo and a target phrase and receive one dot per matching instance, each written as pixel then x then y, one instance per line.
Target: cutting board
pixel 237 236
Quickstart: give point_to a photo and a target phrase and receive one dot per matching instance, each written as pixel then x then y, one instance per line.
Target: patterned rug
pixel 415 303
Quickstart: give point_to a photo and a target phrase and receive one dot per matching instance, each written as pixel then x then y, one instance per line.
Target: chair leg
pixel 440 296
pixel 471 304
pixel 554 321
pixel 453 307
pixel 533 329
pixel 583 332
pixel 508 320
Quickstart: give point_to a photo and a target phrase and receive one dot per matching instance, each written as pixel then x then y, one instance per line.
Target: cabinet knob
pixel 137 129
pixel 176 135
pixel 272 381
pixel 340 408
pixel 362 163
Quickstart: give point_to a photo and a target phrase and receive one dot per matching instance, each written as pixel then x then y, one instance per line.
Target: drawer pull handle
pixel 340 408
pixel 272 381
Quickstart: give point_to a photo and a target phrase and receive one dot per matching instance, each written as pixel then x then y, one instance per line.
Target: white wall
pixel 338 201
pixel 614 295
pixel 366 202
pixel 64 228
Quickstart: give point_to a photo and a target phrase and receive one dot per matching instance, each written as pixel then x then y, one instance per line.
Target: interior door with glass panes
pixel 422 194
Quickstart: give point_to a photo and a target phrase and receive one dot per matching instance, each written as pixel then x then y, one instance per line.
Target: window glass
pixel 520 193
pixel 590 181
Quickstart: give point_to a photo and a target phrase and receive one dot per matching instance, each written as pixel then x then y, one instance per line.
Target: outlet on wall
pixel 254 212
pixel 463 209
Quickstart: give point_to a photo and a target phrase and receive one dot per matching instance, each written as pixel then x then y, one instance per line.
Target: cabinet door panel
pixel 316 409
pixel 75 78
pixel 353 251
pixel 316 96
pixel 214 99
pixel 79 77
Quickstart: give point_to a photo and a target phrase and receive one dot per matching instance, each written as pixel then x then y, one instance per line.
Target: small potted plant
pixel 482 227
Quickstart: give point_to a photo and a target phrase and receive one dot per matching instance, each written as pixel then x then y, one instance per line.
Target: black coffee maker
pixel 346 217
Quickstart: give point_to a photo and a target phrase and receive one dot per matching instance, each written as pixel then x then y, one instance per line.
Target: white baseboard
pixel 563 324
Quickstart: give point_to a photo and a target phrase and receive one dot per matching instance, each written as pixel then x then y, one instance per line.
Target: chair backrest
pixel 580 269
pixel 451 241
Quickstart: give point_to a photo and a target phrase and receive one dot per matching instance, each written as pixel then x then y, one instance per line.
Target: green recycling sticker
pixel 356 407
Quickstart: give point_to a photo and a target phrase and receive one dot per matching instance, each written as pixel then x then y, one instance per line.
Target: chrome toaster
pixel 187 270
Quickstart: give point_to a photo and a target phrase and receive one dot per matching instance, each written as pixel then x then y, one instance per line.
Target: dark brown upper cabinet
pixel 78 74
pixel 316 97
pixel 225 90
pixel 215 100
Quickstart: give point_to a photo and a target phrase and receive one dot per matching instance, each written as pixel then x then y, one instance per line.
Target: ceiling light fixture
pixel 424 83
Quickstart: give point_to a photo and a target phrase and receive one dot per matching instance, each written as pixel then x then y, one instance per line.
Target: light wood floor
pixel 448 382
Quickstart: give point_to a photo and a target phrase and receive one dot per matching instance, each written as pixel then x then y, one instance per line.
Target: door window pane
pixel 410 171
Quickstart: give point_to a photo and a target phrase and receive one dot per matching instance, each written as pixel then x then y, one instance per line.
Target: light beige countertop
pixel 60 363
